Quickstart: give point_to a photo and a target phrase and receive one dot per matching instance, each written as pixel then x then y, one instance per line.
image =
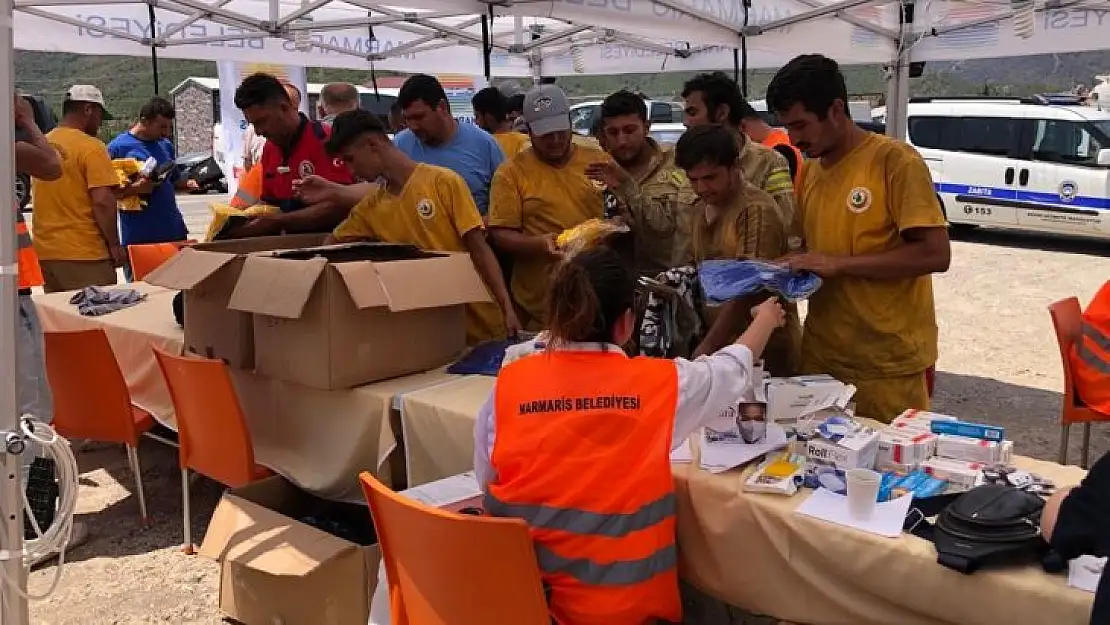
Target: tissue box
pixel 857 449
pixel 965 475
pixel 788 397
pixel 974 449
pixel 902 451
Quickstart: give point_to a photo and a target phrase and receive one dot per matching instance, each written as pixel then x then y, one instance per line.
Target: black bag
pixel 989 523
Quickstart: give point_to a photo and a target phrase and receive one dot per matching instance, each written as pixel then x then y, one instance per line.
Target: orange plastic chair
pixel 1067 320
pixel 446 568
pixel 91 399
pixel 147 257
pixel 213 435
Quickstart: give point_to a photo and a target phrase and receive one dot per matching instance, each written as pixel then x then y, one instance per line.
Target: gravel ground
pixel 998 363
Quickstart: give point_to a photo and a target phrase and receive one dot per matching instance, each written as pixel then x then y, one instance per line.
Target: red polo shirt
pixel 304 157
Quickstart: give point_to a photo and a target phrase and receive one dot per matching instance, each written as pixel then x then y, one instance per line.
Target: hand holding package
pixel 725 280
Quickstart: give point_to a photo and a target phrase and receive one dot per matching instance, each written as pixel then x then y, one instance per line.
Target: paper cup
pixel 863 492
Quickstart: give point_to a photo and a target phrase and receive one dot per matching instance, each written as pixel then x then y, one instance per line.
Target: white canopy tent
pixel 524 37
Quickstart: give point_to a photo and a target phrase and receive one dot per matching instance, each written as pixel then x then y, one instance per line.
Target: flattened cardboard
pixel 356 322
pixel 208 274
pixel 275 569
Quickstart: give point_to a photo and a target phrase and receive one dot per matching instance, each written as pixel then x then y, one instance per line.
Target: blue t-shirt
pixel 472 153
pixel 160 221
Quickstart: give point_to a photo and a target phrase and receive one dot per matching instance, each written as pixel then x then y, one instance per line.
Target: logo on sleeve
pixel 859 200
pixel 306 169
pixel 426 209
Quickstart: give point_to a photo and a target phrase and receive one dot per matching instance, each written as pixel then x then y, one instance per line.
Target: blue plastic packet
pixel 726 280
pixel 484 358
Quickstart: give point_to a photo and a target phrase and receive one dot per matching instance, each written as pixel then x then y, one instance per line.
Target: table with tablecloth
pixel 318 439
pixel 751 550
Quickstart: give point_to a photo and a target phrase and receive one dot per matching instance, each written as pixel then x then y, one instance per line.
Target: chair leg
pixel 137 471
pixel 1086 450
pixel 1065 430
pixel 188 546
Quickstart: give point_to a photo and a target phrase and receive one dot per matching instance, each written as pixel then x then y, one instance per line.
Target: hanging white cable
pixel 57 536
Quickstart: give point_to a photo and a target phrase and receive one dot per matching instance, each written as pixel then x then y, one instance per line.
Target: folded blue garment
pixel 725 280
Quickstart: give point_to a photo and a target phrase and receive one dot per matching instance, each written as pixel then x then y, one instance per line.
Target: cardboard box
pixel 904 451
pixel 963 475
pixel 341 316
pixel 788 397
pixel 275 569
pixel 207 273
pixel 974 449
pixel 856 450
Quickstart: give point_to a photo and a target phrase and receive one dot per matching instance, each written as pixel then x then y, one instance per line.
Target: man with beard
pixel 539 193
pixel 435 137
pixel 653 193
pixel 716 99
pixel 875 234
pixel 734 220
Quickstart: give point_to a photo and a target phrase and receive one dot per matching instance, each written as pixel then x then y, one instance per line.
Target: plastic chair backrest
pixel 147 257
pixel 1067 320
pixel 452 569
pixel 91 399
pixel 211 428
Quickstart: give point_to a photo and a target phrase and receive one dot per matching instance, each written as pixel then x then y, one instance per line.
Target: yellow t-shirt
pixel 512 142
pixel 64 225
pixel 537 199
pixel 859 328
pixel 433 212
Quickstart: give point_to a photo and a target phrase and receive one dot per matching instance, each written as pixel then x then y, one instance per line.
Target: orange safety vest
pixel 249 192
pixel 582 453
pixel 30 274
pixel 777 137
pixel 1090 356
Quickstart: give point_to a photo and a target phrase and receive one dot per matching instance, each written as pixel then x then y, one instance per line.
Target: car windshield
pixel 1101 130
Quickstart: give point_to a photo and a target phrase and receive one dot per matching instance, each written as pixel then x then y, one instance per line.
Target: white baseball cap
pixel 87 93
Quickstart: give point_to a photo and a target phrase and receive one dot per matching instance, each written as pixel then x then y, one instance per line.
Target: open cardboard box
pixel 208 273
pixel 276 569
pixel 340 316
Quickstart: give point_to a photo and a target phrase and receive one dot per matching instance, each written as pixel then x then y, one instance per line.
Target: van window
pixel 993 136
pixel 582 118
pixel 1063 141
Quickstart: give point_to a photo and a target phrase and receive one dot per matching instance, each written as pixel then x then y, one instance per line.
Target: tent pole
pixel 153 49
pixel 486 46
pixel 13 606
pixel 898 90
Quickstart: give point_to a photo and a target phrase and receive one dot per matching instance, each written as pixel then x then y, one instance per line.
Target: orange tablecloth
pixel 751 550
pixel 319 440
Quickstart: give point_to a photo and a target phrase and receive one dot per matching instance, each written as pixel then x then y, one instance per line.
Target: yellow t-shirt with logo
pixel 866 329
pixel 537 199
pixel 64 225
pixel 512 142
pixel 433 212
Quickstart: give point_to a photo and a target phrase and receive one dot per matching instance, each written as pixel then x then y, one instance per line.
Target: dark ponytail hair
pixel 588 294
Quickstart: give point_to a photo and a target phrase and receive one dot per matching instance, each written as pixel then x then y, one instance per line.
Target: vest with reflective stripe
pixel 582 453
pixel 1091 354
pixel 30 274
pixel 778 137
pixel 249 191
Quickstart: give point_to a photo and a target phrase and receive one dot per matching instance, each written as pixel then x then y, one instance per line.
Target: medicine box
pixel 900 449
pixel 855 450
pixel 788 397
pixel 961 474
pixel 972 430
pixel 974 449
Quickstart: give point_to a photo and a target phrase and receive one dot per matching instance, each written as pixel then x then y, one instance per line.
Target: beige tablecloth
pixel 752 551
pixel 319 440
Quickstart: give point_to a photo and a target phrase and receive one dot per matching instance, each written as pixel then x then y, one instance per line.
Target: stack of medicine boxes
pixel 912 441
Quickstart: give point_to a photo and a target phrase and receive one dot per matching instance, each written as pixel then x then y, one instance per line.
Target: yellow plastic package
pixel 223 215
pixel 587 234
pixel 128 171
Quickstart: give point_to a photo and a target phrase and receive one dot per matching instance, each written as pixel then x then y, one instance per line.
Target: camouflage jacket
pixel 768 170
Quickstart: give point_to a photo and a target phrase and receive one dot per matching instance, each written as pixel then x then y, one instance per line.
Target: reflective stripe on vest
pixel 619 573
pixel 584 521
pixel 1088 355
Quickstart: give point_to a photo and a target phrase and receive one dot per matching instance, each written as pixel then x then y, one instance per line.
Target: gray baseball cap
pixel 546 110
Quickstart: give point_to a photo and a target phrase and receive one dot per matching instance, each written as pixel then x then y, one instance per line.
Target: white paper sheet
pixel 682 454
pixel 445 492
pixel 720 456
pixel 1084 572
pixel 887 520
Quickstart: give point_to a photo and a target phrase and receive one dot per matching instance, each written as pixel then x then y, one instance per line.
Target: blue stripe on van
pixel 1048 199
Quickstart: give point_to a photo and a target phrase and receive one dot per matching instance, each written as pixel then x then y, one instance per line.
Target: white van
pixel 1040 164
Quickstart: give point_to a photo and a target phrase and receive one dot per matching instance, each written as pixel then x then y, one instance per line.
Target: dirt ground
pixel 998 363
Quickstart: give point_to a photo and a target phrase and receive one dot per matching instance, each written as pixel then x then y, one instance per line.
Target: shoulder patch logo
pixel 306 169
pixel 426 209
